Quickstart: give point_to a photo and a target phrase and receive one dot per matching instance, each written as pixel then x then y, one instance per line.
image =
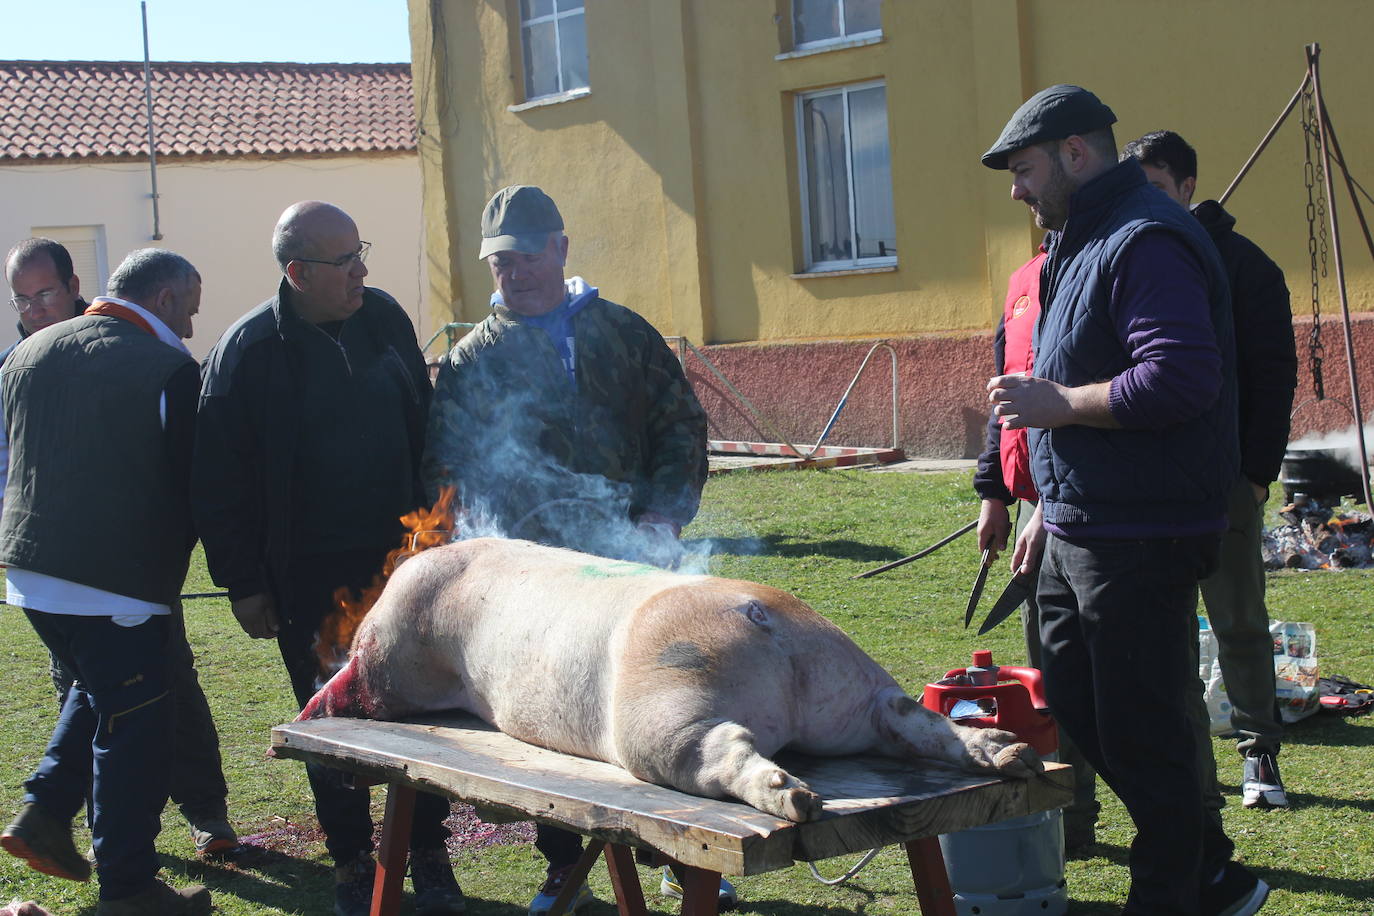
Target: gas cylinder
pixel 1013 867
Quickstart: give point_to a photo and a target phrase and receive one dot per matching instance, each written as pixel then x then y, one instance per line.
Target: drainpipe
pixel 148 99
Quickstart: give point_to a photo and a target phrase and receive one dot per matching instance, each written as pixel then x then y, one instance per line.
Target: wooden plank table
pixel 870 802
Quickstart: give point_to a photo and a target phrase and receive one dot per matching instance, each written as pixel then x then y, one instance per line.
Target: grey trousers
pixel 1234 596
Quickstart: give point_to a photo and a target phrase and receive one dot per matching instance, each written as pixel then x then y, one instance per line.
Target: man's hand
pixel 994 525
pixel 1025 401
pixel 257 615
pixel 1025 557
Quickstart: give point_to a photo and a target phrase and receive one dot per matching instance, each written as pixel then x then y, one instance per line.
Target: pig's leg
pixel 717 758
pixel 906 729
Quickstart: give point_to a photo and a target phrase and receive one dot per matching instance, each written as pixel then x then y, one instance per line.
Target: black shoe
pixel 353 882
pixel 436 890
pixel 213 836
pixel 1239 892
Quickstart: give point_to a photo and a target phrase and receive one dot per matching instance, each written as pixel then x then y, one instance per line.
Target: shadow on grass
pixel 267 878
pixel 783 546
pixel 1296 882
pixel 1328 730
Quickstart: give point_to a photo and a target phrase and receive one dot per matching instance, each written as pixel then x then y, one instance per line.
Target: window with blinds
pixel 86 244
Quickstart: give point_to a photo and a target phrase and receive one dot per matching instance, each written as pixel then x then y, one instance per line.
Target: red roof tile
pixel 96 109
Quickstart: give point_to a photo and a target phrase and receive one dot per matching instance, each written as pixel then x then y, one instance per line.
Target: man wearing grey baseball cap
pixel 1131 419
pixel 564 418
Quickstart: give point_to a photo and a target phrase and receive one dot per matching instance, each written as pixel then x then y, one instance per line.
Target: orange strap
pixel 115 310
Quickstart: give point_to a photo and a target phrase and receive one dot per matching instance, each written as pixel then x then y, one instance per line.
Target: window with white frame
pixel 553 39
pixel 86 245
pixel 846 178
pixel 818 22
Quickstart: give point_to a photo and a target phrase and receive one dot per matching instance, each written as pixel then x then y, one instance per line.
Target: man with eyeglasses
pixel 308 443
pixel 43 287
pixel 45 291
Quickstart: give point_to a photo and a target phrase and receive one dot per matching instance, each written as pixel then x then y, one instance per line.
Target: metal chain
pixel 1316 229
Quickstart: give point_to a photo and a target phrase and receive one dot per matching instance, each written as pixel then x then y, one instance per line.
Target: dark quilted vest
pixel 1119 477
pixel 91 496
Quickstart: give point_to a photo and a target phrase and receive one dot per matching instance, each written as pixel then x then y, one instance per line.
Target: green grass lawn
pixel 806 532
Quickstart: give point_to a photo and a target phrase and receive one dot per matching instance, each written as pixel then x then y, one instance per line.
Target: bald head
pixel 300 224
pixel 317 246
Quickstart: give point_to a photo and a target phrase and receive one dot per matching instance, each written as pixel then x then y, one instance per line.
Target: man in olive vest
pixel 46 290
pixel 97 535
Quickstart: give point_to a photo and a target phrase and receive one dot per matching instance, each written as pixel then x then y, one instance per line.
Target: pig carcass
pixel 686 681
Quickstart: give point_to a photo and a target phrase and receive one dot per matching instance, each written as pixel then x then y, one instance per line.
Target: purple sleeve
pixel 1163 318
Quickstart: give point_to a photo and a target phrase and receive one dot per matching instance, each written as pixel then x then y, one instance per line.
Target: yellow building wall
pixel 677 173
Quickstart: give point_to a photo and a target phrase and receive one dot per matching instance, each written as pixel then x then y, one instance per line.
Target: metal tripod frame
pixel 1329 144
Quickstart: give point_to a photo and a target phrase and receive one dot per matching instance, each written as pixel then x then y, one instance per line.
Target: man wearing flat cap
pixel 563 418
pixel 1131 419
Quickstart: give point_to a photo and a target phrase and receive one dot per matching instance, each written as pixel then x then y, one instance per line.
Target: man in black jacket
pixel 1266 368
pixel 308 445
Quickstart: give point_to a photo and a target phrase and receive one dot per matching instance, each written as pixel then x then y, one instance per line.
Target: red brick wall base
pixel 941 405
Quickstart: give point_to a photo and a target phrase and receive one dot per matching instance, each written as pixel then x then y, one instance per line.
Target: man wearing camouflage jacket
pixel 563 418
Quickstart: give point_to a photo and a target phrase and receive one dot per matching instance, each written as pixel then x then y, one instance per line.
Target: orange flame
pixel 425 528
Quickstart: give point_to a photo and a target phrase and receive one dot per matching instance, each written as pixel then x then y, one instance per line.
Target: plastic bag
pixel 1296 671
pixel 1213 687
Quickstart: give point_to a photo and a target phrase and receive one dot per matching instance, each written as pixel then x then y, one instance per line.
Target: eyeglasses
pixel 346 261
pixel 42 299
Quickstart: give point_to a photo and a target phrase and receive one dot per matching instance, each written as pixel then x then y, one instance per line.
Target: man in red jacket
pixel 1003 478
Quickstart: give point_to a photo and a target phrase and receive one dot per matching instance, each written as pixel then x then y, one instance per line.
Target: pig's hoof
pixel 794 798
pixel 1019 760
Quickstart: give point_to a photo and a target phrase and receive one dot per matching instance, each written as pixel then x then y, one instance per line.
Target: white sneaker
pixel 670 886
pixel 1262 786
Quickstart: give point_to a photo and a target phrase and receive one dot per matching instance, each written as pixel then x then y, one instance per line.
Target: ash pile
pixel 1318 536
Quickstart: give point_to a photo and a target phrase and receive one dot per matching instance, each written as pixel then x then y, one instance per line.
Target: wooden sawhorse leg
pixel 932 880
pixel 391 858
pixel 700 891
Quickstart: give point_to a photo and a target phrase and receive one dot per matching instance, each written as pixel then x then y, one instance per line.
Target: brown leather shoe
pixel 45 842
pixel 214 837
pixel 159 899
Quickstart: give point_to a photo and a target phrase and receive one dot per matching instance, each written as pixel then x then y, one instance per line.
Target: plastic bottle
pixel 982 673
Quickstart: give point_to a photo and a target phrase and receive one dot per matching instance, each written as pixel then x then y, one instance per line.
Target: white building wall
pixel 220 214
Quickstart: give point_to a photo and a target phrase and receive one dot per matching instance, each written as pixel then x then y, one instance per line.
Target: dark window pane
pixel 572 39
pixel 862 16
pixel 815 20
pixel 827 186
pixel 566 5
pixel 529 9
pixel 873 216
pixel 541 63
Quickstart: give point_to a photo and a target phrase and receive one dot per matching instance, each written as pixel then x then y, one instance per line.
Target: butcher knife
pixel 1021 587
pixel 978 584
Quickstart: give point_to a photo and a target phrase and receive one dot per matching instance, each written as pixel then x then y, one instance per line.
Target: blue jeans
pixel 114 734
pixel 1119 635
pixel 197 786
